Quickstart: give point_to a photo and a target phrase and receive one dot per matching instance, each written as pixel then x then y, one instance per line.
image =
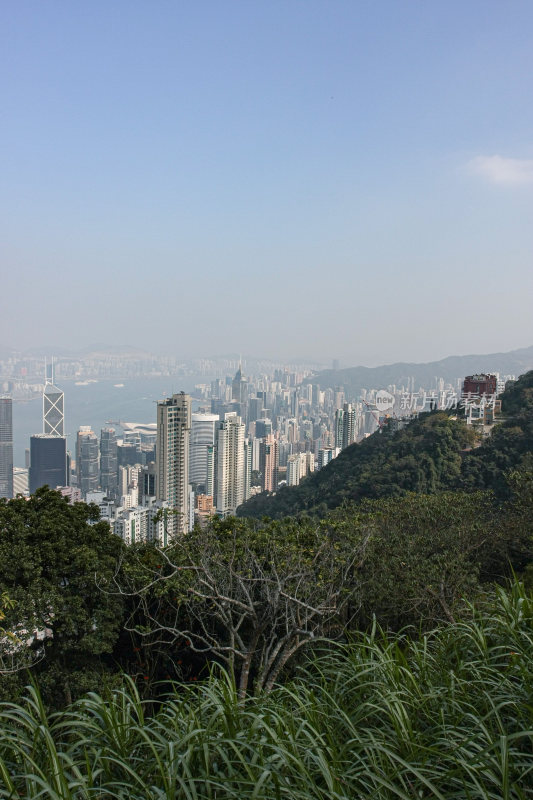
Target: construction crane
pixel 381 421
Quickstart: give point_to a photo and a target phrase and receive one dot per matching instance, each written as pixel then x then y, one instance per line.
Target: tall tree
pixel 50 555
pixel 249 597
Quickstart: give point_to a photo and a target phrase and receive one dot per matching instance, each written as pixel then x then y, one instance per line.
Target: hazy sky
pixel 286 178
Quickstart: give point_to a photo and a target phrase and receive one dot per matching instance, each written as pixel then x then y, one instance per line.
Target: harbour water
pixel 101 404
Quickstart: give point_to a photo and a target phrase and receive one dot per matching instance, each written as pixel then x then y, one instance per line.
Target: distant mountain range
pixel 451 368
pixel 353 379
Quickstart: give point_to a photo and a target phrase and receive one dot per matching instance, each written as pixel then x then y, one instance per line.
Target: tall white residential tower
pixel 172 458
pixel 230 465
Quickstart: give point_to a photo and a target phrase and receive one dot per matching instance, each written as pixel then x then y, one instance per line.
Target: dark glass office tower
pixel 48 461
pixel 108 462
pixel 87 458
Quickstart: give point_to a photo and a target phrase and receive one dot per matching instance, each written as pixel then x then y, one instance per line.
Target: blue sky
pixel 346 180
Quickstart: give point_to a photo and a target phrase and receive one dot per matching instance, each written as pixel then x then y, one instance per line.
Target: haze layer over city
pixel 303 181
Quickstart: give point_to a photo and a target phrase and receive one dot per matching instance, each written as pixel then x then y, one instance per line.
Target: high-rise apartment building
pixel 298 466
pixel 87 452
pixel 149 523
pixel 172 458
pixel 325 455
pixel 128 485
pixel 202 438
pixel 211 470
pixel 293 470
pixel 345 426
pixel 248 460
pixel 48 461
pixel 6 447
pixel 108 462
pixel 230 465
pixel 269 463
pixel 338 397
pixel 147 482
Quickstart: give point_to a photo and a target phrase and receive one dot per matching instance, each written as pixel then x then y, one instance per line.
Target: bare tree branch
pixel 252 599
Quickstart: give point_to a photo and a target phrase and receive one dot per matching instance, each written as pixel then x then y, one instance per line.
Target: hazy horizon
pixel 51 352
pixel 303 180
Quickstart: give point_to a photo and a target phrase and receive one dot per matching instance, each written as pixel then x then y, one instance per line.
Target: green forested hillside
pixel 432 454
pixel 423 457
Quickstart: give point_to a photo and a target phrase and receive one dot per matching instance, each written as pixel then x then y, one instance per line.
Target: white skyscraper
pixel 230 465
pixel 248 452
pixel 298 466
pixel 172 458
pixel 293 470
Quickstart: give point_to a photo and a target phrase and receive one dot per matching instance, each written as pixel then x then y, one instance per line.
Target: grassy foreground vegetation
pixel 444 715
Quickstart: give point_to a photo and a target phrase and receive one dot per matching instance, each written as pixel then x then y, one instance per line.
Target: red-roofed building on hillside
pixel 479 385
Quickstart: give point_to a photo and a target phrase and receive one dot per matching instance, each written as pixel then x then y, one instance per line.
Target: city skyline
pixel 362 174
pixel 248 436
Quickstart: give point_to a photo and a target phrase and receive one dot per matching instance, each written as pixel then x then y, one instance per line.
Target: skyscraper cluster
pixel 154 480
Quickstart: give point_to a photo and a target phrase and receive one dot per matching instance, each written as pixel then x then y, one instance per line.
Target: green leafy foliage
pixel 427 555
pixel 252 595
pixel 51 555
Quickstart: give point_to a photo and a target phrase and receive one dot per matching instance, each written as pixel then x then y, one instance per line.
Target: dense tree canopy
pixel 50 553
pixel 251 595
